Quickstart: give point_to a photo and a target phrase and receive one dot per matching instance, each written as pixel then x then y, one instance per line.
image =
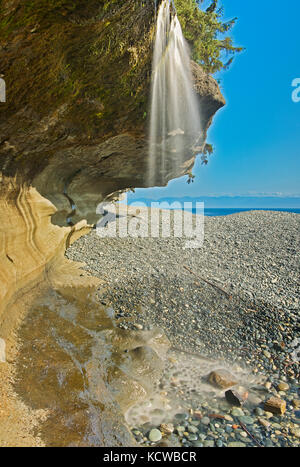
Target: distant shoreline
pixel 209 211
pixel 219 206
pixel 214 212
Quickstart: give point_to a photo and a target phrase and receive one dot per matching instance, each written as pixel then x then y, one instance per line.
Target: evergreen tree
pixel 206 33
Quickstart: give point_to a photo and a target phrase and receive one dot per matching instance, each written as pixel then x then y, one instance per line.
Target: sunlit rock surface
pixel 31 247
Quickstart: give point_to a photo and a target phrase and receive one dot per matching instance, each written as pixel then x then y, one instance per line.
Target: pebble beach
pixel 233 303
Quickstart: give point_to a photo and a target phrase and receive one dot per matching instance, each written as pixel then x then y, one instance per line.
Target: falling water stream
pixel 174 115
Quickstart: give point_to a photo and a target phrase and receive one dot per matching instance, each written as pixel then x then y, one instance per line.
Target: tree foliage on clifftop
pixel 206 32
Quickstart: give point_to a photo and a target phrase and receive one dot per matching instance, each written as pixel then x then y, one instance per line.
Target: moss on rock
pixel 86 65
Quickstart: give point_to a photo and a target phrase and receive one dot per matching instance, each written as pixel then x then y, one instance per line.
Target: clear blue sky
pixel 257 135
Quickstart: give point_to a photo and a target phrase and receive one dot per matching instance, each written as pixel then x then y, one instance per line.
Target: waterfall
pixel 174 115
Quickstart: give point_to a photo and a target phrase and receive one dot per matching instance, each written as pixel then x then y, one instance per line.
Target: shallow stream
pixel 96 381
pixel 76 364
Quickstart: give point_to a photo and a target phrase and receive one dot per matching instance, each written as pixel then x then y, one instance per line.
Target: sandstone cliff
pixel 78 83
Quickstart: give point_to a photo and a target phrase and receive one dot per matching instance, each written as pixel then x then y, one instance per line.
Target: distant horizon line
pixel 273 196
pixel 217 202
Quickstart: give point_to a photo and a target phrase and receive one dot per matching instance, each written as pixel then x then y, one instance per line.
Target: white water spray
pixel 175 117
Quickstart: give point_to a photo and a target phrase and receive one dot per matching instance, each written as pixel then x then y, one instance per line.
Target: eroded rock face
pixel 78 85
pixel 31 247
pixel 75 120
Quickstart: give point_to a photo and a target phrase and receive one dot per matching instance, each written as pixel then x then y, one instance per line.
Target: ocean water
pixel 226 211
pixel 182 203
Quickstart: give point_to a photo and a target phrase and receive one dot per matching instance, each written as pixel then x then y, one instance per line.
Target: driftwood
pixel 251 436
pixel 217 416
pixel 208 282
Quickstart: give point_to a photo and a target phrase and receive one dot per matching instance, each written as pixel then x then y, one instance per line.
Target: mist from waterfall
pixel 174 115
